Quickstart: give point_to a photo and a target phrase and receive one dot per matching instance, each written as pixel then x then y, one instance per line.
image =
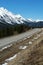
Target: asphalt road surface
pixel 9 40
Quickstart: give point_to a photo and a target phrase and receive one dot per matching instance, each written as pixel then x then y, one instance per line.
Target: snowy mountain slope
pixel 9 17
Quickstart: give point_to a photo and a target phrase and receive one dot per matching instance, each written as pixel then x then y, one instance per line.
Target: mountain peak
pixel 9 17
pixel 3 11
pixel 1 8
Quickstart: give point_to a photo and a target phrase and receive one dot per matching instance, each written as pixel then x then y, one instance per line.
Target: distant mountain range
pixel 7 18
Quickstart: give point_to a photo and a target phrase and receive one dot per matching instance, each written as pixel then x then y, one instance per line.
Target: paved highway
pixel 9 40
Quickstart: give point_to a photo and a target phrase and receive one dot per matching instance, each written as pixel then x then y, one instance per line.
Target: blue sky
pixel 27 8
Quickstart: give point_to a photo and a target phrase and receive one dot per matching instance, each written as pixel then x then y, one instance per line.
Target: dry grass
pixel 30 56
pixel 33 55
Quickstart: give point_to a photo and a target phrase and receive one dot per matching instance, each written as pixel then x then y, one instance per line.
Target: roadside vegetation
pixel 13 30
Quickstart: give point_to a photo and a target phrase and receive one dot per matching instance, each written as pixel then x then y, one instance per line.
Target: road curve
pixel 8 40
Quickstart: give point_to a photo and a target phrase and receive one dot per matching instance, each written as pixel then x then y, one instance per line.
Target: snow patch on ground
pixel 6 47
pixel 30 42
pixel 5 64
pixel 11 58
pixel 22 47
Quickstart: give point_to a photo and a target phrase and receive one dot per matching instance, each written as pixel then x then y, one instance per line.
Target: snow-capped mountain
pixel 9 17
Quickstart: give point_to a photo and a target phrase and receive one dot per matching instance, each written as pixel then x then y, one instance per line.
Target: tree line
pixel 8 31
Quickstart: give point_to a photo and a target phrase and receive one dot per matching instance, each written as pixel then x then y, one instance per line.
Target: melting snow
pixel 11 58
pixel 10 16
pixel 30 42
pixel 22 47
pixel 6 47
pixel 5 64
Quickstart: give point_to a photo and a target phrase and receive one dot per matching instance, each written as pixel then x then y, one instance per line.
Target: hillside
pixel 12 24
